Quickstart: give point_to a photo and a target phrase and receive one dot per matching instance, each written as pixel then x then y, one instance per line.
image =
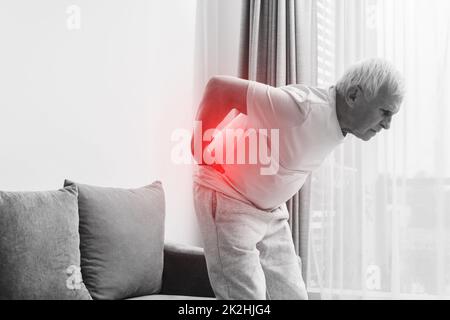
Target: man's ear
pixel 354 93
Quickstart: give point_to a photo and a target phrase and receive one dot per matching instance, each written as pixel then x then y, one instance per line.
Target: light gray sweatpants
pixel 249 252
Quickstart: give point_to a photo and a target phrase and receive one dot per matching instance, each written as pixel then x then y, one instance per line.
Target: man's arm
pixel 221 95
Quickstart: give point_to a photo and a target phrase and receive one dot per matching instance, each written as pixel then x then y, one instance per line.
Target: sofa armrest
pixel 185 271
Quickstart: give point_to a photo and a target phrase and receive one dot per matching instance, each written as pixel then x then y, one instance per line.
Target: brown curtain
pixel 279 47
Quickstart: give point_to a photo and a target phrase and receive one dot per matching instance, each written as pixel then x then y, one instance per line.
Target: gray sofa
pixel 184 275
pixel 85 242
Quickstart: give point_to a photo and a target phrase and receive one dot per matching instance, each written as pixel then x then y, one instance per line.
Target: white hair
pixel 371 75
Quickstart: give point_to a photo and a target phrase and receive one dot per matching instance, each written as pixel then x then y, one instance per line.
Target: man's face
pixel 367 118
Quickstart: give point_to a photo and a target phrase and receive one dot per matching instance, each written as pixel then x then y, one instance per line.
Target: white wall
pixel 98 105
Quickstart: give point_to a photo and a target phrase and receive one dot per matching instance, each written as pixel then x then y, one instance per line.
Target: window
pixel 379 220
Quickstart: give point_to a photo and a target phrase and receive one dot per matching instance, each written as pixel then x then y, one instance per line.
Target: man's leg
pixel 230 230
pixel 281 265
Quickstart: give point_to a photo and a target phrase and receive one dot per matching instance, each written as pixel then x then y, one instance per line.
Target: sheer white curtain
pixel 380 219
pixel 217 40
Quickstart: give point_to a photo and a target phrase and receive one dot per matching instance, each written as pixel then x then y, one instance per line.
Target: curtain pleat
pixel 278 47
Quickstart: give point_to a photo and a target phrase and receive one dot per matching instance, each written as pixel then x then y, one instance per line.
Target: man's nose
pixel 386 124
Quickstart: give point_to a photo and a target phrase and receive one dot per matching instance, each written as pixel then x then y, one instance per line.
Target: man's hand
pixel 221 95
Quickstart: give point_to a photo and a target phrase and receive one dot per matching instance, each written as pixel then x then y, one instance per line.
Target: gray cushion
pixel 121 240
pixel 39 246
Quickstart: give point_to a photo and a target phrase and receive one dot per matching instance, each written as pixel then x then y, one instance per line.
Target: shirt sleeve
pixel 269 107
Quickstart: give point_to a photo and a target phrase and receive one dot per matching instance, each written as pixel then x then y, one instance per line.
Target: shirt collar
pixel 337 130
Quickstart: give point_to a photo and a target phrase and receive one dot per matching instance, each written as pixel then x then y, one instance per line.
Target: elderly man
pixel 241 212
